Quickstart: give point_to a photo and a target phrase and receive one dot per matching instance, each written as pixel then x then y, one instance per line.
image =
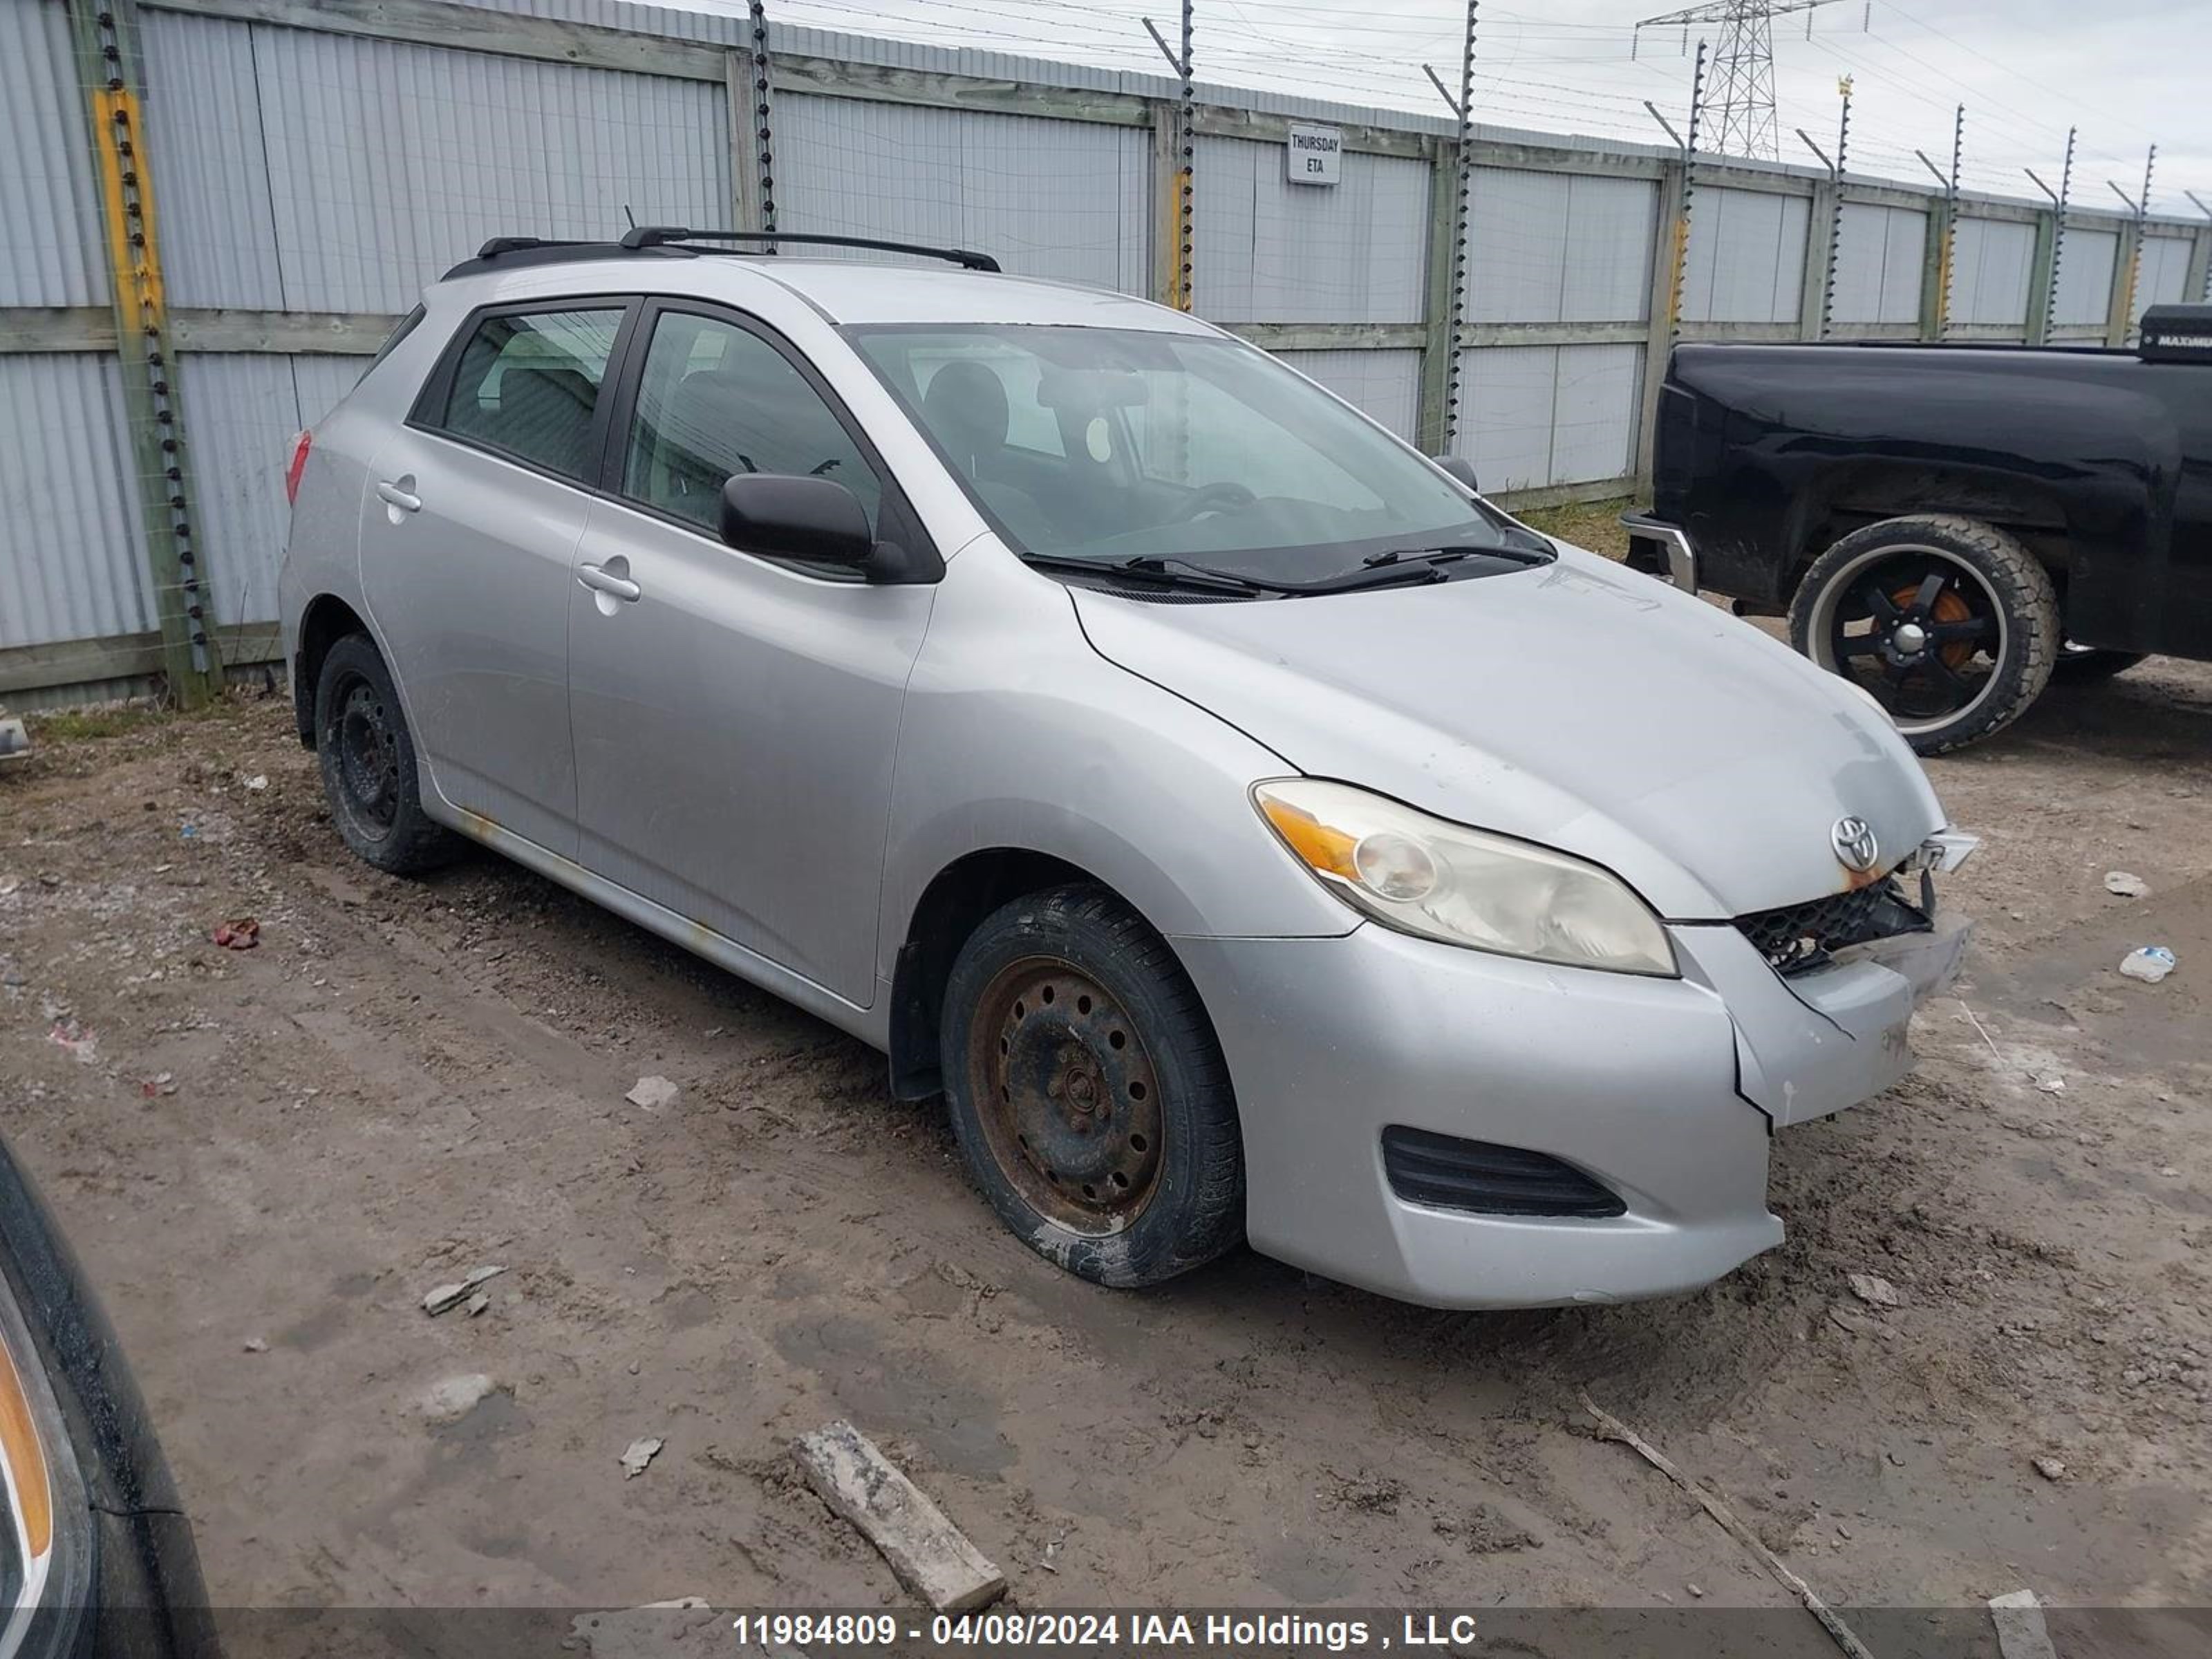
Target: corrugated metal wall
pixel 1268 251
pixel 312 172
pixel 2087 266
pixel 50 236
pixel 1064 199
pixel 1880 255
pixel 301 171
pixel 1992 268
pixel 1540 415
pixel 69 566
pixel 1747 257
pixel 1384 385
pixel 2163 279
pixel 1553 247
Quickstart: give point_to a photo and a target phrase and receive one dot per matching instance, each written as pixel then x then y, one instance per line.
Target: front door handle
pixel 398 495
pixel 600 580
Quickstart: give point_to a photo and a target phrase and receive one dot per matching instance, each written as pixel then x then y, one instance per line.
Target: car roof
pixel 844 291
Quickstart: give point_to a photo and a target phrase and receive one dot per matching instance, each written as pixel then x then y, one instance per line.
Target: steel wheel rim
pixel 1066 1096
pixel 368 756
pixel 1886 622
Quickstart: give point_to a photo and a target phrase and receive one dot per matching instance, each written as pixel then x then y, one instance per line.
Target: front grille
pixel 1452 1173
pixel 1794 937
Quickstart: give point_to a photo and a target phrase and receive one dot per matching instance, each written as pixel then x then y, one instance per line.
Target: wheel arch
pixel 1853 494
pixel 326 620
pixel 951 907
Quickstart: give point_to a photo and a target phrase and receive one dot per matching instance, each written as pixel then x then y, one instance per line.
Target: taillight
pixel 300 447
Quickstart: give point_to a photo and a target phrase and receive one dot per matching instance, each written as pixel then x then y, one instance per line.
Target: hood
pixel 1576 704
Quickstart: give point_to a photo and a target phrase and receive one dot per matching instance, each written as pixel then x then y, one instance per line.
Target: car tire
pixel 1088 1093
pixel 2088 664
pixel 369 764
pixel 1910 608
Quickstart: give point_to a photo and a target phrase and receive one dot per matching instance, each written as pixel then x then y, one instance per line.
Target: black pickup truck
pixel 1946 525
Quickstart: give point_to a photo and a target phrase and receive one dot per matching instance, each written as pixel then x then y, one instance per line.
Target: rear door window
pixel 527 383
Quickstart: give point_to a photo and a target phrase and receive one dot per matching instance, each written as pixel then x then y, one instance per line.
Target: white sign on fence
pixel 1315 155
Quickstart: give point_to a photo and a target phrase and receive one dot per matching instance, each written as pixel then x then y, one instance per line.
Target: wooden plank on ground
pixel 930 1555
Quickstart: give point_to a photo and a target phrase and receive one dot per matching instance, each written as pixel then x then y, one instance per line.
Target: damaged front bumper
pixel 1665 1093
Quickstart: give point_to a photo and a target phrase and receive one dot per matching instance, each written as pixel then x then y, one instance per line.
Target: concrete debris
pixel 452 1295
pixel 257 783
pixel 930 1556
pixel 2126 885
pixel 1874 1291
pixel 640 1453
pixel 455 1397
pixel 2050 1468
pixel 2021 1633
pixel 2051 1084
pixel 256 1345
pixel 652 1093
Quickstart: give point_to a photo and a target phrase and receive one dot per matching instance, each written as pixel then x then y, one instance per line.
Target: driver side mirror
pixel 817 519
pixel 1461 470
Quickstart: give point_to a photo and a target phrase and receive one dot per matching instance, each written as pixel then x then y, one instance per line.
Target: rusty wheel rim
pixel 1067 1094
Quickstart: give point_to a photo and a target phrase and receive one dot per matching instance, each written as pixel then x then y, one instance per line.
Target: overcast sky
pixel 2129 73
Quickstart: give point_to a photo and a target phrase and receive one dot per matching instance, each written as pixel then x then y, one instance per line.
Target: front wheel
pixel 1088 1092
pixel 1951 624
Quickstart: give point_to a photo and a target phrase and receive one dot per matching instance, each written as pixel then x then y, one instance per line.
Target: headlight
pixel 1443 881
pixel 44 1546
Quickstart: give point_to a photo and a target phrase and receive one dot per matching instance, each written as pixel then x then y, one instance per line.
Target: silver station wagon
pixel 1250 831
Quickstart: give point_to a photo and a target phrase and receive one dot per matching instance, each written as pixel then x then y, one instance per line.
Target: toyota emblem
pixel 1856 847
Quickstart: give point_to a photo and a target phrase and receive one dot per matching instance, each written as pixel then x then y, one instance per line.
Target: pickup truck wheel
pixel 1951 623
pixel 2086 665
pixel 367 758
pixel 1088 1093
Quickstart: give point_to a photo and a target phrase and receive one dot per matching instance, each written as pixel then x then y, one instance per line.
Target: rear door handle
pixel 603 580
pixel 401 497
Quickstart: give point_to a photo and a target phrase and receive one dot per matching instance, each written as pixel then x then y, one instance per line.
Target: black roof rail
pixel 500 245
pixel 645 236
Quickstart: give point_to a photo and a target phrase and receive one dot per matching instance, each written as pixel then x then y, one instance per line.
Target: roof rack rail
pixel 500 245
pixel 644 236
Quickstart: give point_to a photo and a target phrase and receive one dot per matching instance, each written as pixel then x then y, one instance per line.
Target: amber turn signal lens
pixel 1328 850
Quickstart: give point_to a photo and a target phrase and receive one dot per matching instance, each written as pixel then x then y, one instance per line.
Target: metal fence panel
pixel 51 252
pixel 242 411
pixel 1550 415
pixel 210 163
pixel 1062 199
pixel 388 162
pixel 1517 246
pixel 70 563
pixel 1746 256
pixel 2164 277
pixel 1992 269
pixel 1386 384
pixel 1268 251
pixel 1611 230
pixel 1880 255
pixel 2087 266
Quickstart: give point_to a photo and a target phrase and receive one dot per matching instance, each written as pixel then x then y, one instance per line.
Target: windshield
pixel 1109 445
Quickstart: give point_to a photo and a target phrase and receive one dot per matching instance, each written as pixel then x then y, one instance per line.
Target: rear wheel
pixel 1951 624
pixel 1088 1093
pixel 367 758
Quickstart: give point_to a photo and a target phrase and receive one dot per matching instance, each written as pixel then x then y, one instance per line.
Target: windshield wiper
pixel 1435 556
pixel 1182 572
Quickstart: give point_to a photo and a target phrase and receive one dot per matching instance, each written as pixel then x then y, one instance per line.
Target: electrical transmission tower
pixel 1741 100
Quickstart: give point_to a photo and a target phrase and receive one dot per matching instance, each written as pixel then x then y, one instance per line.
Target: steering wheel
pixel 1222 497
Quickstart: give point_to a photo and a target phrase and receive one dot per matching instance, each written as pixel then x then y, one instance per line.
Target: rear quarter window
pixel 527 383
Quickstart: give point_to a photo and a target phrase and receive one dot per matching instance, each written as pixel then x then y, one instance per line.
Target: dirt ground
pixel 267 1158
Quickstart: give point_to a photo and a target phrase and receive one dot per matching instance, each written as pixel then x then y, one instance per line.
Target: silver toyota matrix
pixel 1250 831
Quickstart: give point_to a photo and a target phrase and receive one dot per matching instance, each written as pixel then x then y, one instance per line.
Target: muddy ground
pixel 267 1158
